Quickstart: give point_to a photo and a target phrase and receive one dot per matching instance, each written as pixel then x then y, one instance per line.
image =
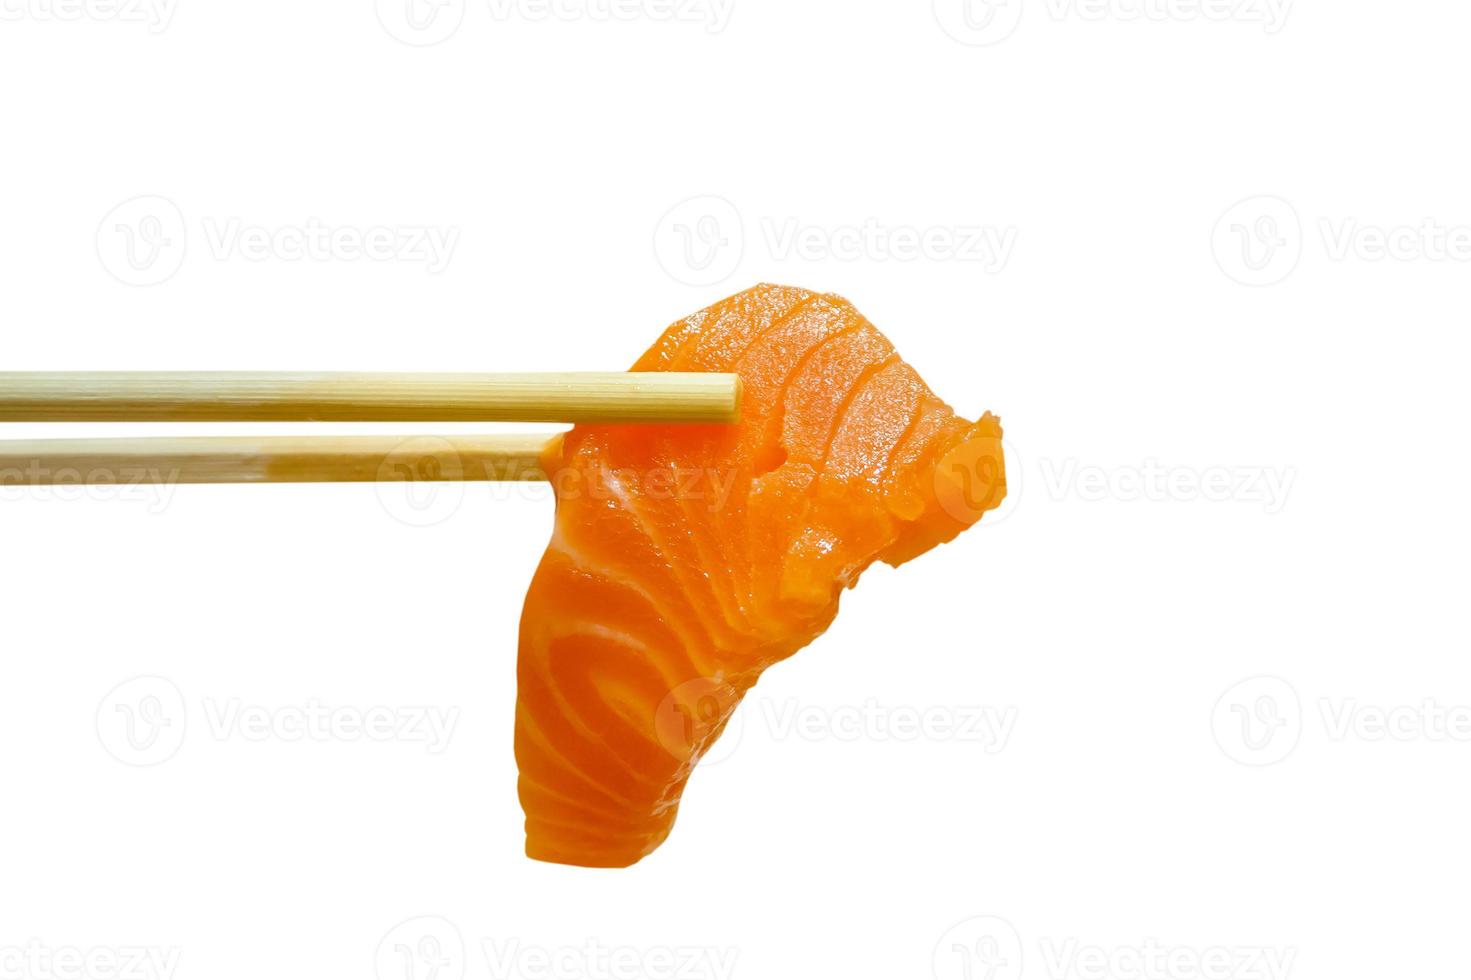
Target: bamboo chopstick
pixel 259 397
pixel 285 459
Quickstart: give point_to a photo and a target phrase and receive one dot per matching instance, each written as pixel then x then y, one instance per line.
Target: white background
pixel 1236 441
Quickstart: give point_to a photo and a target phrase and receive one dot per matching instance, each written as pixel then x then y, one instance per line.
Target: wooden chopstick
pixel 286 459
pixel 257 397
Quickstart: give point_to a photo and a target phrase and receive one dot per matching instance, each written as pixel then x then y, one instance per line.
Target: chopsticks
pixel 631 398
pixel 257 397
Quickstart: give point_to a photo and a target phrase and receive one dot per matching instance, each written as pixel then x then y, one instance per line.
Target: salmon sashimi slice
pixel 687 559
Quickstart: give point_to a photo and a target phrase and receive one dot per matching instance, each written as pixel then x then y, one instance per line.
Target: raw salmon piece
pixel 688 559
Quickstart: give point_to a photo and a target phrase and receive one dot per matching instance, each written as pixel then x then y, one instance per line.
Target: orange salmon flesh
pixel 686 559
